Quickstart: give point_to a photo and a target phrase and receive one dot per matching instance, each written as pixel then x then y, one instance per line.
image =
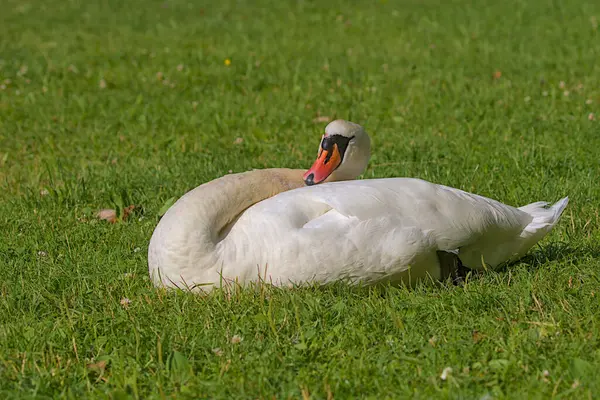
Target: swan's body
pixel 263 225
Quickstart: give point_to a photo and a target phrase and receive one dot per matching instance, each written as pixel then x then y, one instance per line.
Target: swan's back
pixel 454 215
pixel 453 218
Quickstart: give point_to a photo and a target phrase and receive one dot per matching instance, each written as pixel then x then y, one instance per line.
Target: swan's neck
pixel 189 232
pixel 226 198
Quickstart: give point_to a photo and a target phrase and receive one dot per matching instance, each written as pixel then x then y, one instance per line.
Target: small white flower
pixel 42 253
pixel 137 250
pixel 445 373
pixel 125 302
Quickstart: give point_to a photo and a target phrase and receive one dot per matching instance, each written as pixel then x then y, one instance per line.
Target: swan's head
pixel 343 154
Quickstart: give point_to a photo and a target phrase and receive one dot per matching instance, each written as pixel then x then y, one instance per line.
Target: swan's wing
pixel 329 219
pixel 372 227
pixel 457 218
pixel 454 219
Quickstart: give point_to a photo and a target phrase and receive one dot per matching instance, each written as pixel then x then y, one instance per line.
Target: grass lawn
pixel 104 104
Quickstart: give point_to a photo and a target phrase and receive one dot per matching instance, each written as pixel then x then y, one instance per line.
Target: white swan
pixel 266 225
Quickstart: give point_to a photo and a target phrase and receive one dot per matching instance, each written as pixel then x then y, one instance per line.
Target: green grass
pixel 86 123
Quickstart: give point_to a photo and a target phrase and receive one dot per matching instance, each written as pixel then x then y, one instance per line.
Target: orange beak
pixel 327 161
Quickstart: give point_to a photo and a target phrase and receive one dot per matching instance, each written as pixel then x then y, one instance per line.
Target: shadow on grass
pixel 558 251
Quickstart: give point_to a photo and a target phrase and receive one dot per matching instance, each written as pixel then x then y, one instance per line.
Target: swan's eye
pixel 327 143
pixel 339 140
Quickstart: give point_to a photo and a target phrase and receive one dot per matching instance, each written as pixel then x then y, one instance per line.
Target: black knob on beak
pixel 310 180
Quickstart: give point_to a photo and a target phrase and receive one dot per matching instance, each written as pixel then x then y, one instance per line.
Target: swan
pixel 289 226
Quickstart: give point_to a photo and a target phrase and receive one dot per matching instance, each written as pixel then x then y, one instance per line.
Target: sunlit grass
pixel 111 104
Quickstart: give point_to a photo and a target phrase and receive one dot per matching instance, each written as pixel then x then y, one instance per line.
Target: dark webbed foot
pixel 452 267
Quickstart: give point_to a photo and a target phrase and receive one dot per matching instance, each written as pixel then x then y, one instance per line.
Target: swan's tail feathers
pixel 544 218
pixel 493 254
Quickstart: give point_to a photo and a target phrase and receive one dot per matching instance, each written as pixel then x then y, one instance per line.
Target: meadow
pixel 108 104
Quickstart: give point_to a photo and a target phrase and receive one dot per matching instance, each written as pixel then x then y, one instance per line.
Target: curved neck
pixel 220 202
pixel 188 234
